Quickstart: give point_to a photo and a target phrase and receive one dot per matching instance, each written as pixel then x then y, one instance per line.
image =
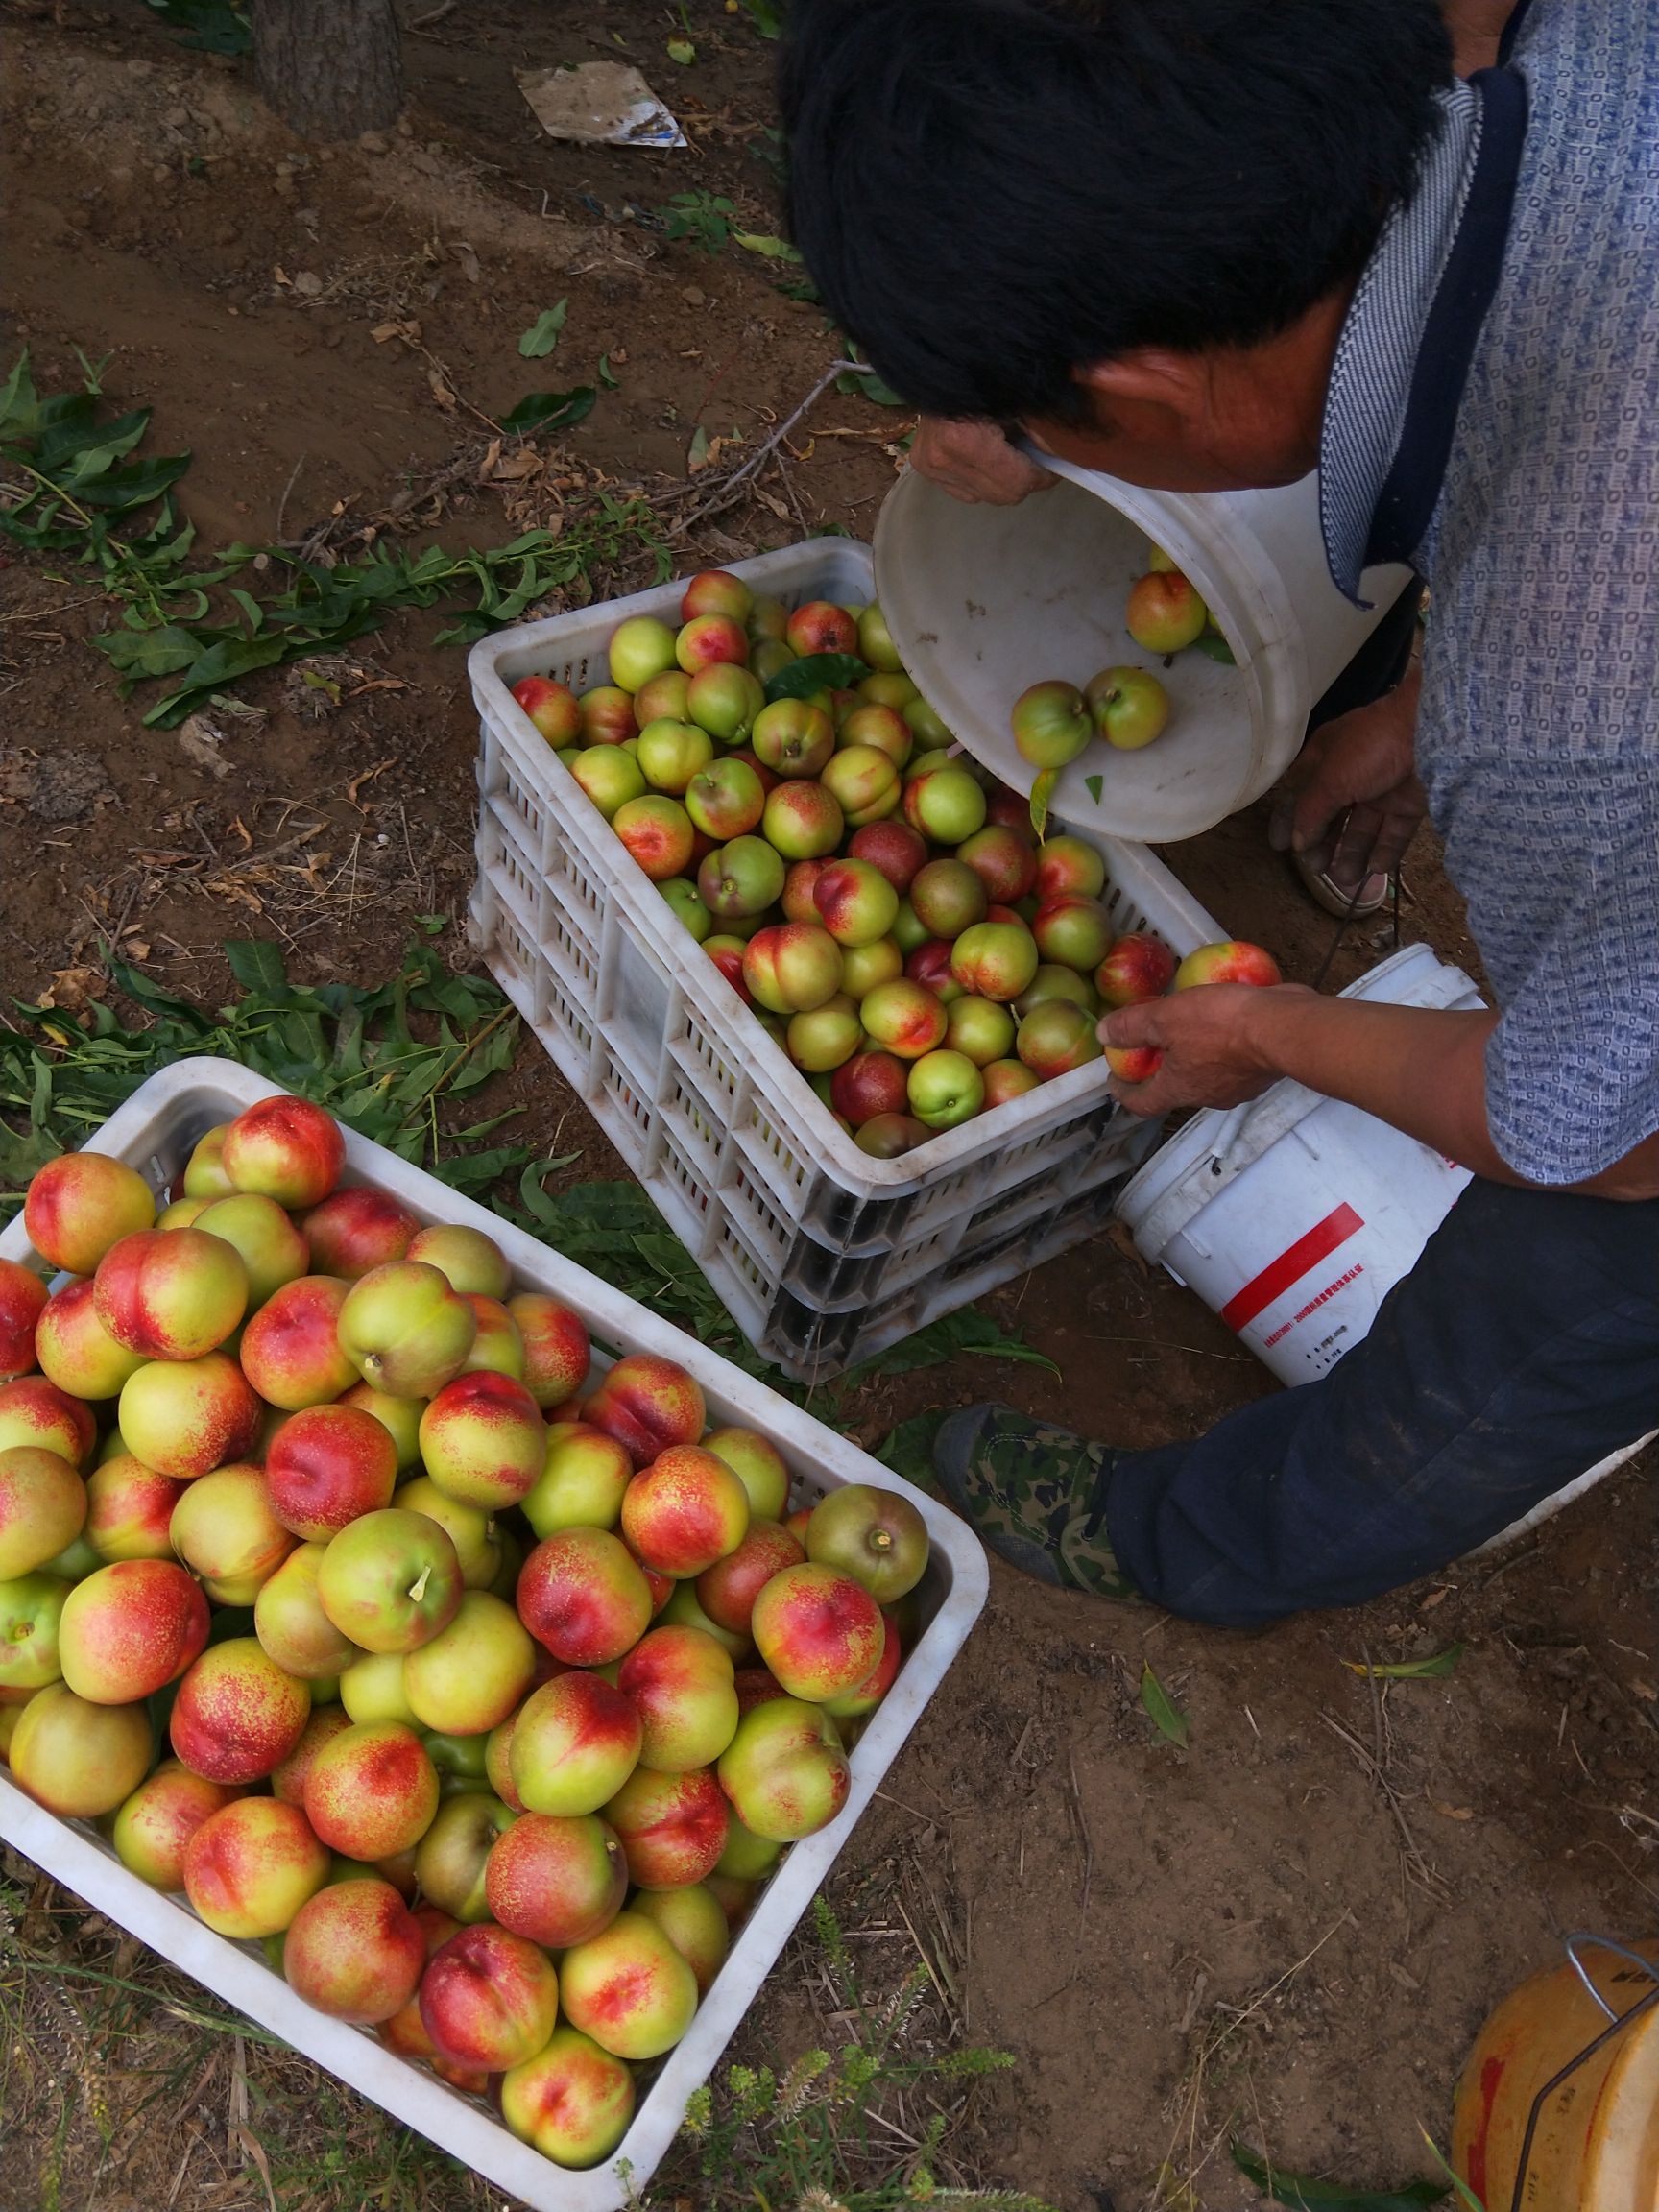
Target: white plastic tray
pixel 154 1131
pixel 822 1254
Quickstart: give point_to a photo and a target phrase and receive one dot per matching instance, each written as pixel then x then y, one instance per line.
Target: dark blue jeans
pixel 1521 1348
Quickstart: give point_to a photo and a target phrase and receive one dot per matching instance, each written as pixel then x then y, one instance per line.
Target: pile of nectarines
pixel 877 899
pixel 489 1686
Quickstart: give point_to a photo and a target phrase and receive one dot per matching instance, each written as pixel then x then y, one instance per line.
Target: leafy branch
pixel 357 1052
pixel 73 484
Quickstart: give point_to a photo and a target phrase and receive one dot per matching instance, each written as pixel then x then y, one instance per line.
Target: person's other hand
pixel 1209 1037
pixel 1350 802
pixel 973 462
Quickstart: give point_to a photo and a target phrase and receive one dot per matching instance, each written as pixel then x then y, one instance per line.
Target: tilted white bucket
pixel 982 601
pixel 1295 1216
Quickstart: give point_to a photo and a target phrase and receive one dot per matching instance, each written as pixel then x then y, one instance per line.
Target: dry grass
pixel 125 2087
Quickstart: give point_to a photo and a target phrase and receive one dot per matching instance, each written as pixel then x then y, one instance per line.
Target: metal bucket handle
pixel 1616 2022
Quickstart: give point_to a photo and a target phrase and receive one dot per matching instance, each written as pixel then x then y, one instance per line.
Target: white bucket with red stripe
pixel 1293 1216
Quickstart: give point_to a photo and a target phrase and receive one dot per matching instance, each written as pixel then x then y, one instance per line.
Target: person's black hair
pixel 992 194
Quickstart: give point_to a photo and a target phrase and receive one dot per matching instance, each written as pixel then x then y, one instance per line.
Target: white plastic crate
pixel 154 1131
pixel 822 1254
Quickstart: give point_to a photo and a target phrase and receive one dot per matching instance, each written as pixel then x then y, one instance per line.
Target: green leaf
pixel 1166 1716
pixel 1214 648
pixel 550 410
pixel 1307 2196
pixel 765 16
pixel 1460 2188
pixel 908 1449
pixel 1042 791
pixel 763 243
pixel 135 484
pixel 205 26
pixel 704 217
pixel 948 1337
pixel 1409 1669
pixel 221 664
pixel 1094 784
pixel 466 632
pixel 608 375
pixel 817 672
pixel 865 384
pixel 135 654
pixel 681 50
pixel 114 443
pixel 19 403
pixel 534 1196
pixel 256 963
pixel 543 334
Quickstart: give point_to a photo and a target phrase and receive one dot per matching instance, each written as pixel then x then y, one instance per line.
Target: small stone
pixel 63 786
pixel 140 68
pixel 373 142
pixel 405 128
pixel 160 174
pixel 176 118
pixel 82 218
pixel 227 234
pixel 694 296
pixel 308 284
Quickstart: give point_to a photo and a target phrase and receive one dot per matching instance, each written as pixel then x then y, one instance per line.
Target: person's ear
pixel 1149 377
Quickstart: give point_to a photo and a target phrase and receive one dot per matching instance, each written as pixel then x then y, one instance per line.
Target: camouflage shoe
pixel 1035 1495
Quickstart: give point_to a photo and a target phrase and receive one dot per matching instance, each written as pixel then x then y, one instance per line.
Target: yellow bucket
pixel 1559 2106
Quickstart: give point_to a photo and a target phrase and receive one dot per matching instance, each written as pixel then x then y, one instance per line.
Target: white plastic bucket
pixel 1293 1216
pixel 982 601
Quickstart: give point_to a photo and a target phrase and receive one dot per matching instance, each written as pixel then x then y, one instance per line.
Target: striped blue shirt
pixel 1538 732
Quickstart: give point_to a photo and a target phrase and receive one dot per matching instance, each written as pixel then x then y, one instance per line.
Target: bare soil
pixel 1289 1931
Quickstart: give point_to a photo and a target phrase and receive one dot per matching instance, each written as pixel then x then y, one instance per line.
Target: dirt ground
pixel 1287 1932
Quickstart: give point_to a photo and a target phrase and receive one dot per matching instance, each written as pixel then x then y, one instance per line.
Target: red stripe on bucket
pixel 1292 1265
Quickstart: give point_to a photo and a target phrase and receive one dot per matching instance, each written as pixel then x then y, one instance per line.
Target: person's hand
pixel 1210 1038
pixel 1350 802
pixel 974 463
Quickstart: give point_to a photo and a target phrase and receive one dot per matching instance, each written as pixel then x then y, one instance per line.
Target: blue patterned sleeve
pixel 1572 1068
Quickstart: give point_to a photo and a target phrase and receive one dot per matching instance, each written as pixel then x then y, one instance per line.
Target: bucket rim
pixel 1214 1130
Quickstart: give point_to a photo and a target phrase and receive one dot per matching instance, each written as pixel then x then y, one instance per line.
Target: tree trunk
pixel 330 68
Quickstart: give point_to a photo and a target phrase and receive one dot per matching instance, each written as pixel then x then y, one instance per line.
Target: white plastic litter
pixel 599 103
